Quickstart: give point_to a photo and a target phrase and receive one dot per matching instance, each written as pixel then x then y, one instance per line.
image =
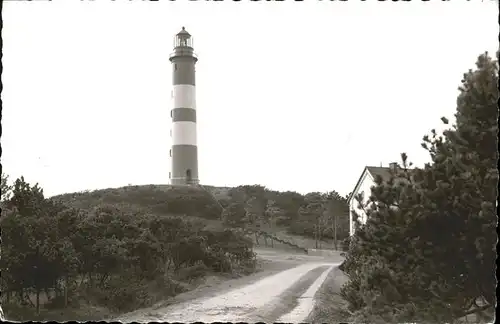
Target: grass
pixel 152 199
pixel 329 306
pixel 305 242
pixel 88 312
pixel 85 306
pixel 159 199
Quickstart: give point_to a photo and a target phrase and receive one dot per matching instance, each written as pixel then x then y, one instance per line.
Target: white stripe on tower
pixel 184 133
pixel 184 96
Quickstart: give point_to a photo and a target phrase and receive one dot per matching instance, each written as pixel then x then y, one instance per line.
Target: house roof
pixel 383 172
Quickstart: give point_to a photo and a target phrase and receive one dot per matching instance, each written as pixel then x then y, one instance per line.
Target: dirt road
pixel 283 291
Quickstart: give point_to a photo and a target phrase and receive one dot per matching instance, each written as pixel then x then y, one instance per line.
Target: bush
pixel 121 257
pixel 244 206
pixel 193 272
pixel 120 294
pixel 345 244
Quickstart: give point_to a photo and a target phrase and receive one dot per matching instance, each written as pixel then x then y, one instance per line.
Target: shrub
pixel 120 256
pixel 192 272
pixel 345 244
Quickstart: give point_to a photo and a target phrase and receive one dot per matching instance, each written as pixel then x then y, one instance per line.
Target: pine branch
pixel 475 310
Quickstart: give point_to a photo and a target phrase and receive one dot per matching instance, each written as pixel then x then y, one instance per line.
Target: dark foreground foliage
pixel 57 258
pixel 427 251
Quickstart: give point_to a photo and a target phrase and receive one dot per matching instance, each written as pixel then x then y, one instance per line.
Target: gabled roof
pixel 383 172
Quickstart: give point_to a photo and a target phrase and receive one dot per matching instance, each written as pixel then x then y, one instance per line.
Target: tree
pixel 33 252
pixel 465 171
pixel 427 250
pixel 311 213
pixel 254 214
pixel 337 211
pixel 289 202
pixel 5 188
pixel 109 242
pixel 274 215
pixel 234 215
pixel 380 259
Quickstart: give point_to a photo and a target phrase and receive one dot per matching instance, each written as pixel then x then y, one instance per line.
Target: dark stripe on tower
pixel 183 114
pixel 184 72
pixel 186 158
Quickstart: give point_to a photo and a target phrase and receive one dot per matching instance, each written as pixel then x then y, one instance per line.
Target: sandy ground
pixel 276 292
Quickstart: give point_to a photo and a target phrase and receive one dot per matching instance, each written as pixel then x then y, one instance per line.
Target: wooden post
pixel 37 283
pixel 319 233
pixel 66 291
pixel 316 234
pixel 335 231
pixel 37 300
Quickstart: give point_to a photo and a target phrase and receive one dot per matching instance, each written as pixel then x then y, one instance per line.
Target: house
pixel 364 184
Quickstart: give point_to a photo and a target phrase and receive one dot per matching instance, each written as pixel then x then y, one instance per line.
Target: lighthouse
pixel 184 151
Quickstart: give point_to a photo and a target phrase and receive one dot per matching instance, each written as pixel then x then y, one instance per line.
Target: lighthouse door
pixel 188 176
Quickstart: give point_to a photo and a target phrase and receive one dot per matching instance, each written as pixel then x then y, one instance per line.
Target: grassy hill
pixel 90 255
pixel 203 203
pixel 119 249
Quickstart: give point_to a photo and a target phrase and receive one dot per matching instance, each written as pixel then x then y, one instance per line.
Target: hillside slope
pixel 115 249
pixel 209 205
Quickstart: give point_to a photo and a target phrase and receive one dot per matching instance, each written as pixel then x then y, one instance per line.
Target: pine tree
pixel 464 175
pixel 4 188
pixel 312 212
pixel 427 250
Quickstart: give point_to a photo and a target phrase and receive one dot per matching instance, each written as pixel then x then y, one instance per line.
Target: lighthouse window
pixel 170 152
pixel 175 67
pixel 170 175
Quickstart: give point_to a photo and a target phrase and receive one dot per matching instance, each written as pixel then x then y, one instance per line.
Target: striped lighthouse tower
pixel 184 151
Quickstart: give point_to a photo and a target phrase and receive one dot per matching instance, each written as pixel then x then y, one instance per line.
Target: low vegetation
pixel 95 254
pixel 61 262
pixel 427 251
pixel 256 209
pixel 329 306
pixel 319 216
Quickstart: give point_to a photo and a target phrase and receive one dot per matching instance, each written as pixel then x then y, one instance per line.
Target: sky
pixel 295 96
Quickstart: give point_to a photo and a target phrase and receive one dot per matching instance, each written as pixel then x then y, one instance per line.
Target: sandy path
pixel 241 304
pixel 267 298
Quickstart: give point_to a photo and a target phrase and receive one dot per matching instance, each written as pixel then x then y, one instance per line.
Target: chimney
pixel 393 166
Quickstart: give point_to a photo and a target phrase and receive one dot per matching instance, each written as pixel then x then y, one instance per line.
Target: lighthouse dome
pixel 183 32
